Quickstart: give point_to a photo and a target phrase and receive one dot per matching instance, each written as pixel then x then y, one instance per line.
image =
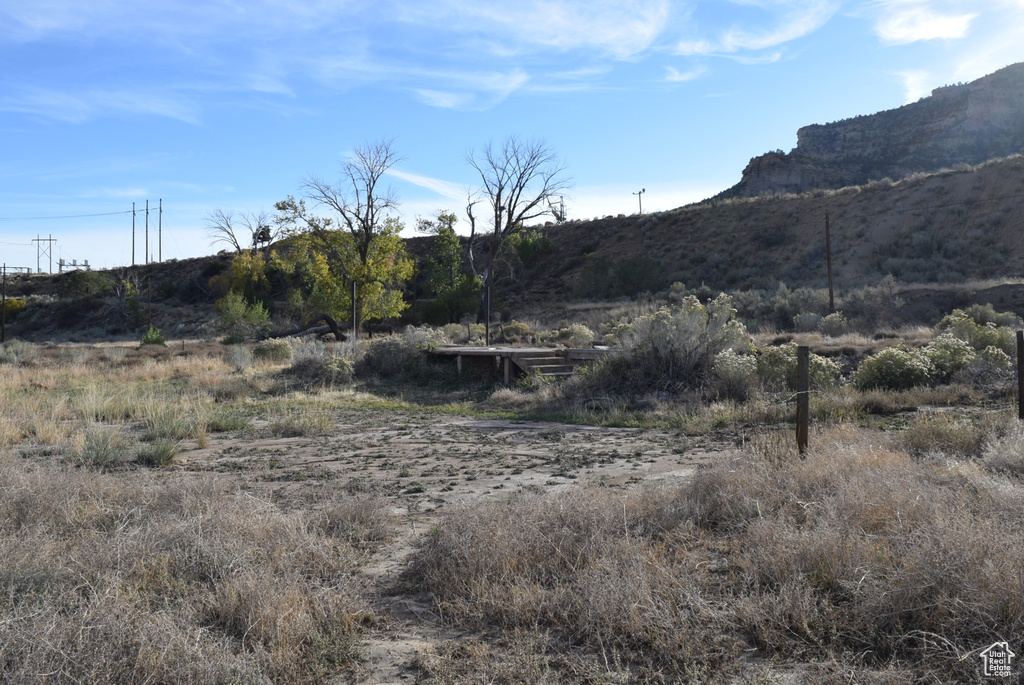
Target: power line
pixel 66 216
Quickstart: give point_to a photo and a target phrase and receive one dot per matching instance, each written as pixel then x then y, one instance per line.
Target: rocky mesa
pixel 960 124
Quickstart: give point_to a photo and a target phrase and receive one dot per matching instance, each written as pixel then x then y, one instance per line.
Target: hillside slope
pixel 945 227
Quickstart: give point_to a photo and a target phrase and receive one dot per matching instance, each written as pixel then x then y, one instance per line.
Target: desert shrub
pixel 777 368
pixel 984 314
pixel 873 306
pixel 834 325
pixel 238 357
pixel 153 336
pixel 16 352
pixel 796 557
pixel 76 355
pixel 947 355
pixel 396 354
pixel 671 348
pixel 313 364
pixel 788 304
pixel 994 357
pixel 574 335
pixel 736 373
pixel 14 306
pixel 979 336
pixel 515 331
pixel 806 322
pixel 85 284
pixel 239 318
pixel 187 582
pixel 276 350
pixel 462 333
pixel 894 368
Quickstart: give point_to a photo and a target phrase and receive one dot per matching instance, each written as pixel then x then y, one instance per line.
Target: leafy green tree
pixel 240 318
pixel 455 292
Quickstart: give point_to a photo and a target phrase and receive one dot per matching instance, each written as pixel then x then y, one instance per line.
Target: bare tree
pixel 519 178
pixel 254 228
pixel 359 201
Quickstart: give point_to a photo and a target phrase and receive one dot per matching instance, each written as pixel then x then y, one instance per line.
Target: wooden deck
pixel 510 361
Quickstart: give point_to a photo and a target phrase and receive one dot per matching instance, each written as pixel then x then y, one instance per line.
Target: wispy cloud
pixel 452 191
pixel 775 23
pixel 909 21
pixel 619 28
pixel 76 108
pixel 675 76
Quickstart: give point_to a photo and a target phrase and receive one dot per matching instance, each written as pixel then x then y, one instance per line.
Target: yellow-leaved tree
pixel 360 243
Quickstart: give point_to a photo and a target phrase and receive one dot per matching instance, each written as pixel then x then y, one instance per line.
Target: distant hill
pixel 961 124
pixel 947 227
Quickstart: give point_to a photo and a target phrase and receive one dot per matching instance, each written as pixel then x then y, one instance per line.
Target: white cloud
pixel 775 23
pixel 447 189
pixel 910 21
pixel 80 107
pixel 676 76
pixel 620 28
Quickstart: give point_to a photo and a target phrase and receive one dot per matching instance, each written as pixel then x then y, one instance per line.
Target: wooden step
pixel 552 369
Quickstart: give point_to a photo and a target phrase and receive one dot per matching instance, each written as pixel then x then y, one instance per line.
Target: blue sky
pixel 232 104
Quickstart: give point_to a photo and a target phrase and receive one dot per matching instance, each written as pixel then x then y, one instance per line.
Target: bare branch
pixel 357 198
pixel 519 180
pixel 221 229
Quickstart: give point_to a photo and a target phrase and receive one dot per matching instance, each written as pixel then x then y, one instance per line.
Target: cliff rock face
pixel 963 124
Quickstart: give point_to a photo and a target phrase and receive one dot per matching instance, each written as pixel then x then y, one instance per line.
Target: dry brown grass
pixel 112 573
pixel 857 553
pixel 113 579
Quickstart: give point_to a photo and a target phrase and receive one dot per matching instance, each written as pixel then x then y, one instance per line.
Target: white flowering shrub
pixel 947 356
pixel 894 368
pixel 576 335
pixel 961 325
pixel 777 368
pixel 994 357
pixel 736 373
pixel 673 347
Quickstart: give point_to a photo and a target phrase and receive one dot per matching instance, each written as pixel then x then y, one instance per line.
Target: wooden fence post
pixel 803 403
pixel 1020 375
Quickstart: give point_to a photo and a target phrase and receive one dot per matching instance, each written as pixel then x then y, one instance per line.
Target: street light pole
pixel 639 199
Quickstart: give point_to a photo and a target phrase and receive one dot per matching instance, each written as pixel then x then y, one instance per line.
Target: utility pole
pixel 160 233
pixel 133 234
pixel 355 326
pixel 3 309
pixel 147 233
pixel 40 251
pixel 640 199
pixel 828 260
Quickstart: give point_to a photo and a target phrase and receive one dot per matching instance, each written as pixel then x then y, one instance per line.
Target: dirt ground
pixel 425 463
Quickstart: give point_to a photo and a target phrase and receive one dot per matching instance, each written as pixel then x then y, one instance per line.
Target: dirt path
pixel 427 463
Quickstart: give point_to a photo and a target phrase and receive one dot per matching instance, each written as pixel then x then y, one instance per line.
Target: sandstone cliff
pixel 962 124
